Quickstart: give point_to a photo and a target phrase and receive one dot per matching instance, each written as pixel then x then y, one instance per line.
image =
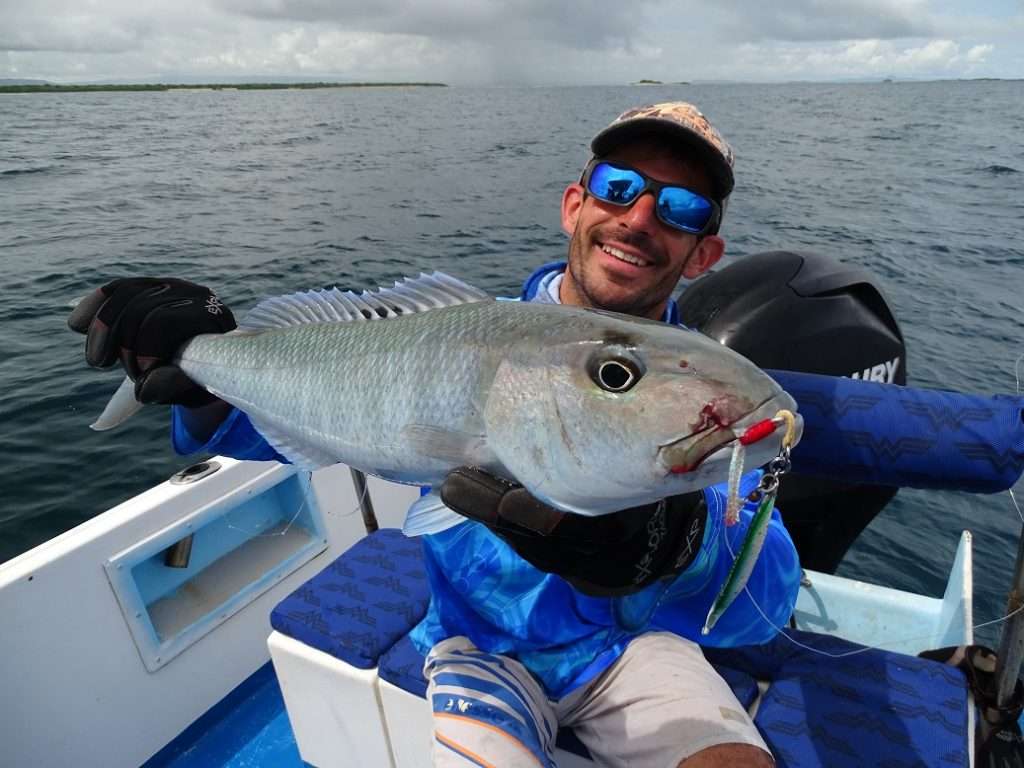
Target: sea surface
pixel 264 192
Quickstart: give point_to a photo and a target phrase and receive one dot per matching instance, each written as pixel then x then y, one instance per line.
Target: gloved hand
pixel 615 554
pixel 143 322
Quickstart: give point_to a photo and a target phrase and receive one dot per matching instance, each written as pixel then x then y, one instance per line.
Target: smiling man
pixel 646 211
pixel 540 619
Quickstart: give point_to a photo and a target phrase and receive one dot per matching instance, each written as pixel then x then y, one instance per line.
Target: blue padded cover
pixel 403 666
pixel 874 708
pixel 743 685
pixel 867 432
pixel 361 604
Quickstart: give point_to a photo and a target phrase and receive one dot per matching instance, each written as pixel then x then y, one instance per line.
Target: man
pixel 540 619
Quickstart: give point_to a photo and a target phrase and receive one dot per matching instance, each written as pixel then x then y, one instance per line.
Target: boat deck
pixel 249 728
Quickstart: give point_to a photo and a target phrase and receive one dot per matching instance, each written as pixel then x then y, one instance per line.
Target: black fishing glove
pixel 142 322
pixel 615 554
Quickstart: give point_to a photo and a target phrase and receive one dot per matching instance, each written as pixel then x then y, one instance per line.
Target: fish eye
pixel 616 375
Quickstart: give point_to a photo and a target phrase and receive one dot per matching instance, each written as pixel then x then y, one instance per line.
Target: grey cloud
pixel 817 20
pixel 69 26
pixel 579 24
pixel 77 38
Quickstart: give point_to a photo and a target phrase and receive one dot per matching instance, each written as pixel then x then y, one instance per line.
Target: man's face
pixel 625 259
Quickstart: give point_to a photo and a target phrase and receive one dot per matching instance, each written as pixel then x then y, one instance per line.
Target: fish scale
pixel 348 387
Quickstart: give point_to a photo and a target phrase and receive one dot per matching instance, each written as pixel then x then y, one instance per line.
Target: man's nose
pixel 642 215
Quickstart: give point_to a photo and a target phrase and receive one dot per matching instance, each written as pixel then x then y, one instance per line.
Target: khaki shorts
pixel 658 704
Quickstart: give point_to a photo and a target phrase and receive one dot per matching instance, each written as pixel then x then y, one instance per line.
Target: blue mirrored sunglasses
pixel 678 207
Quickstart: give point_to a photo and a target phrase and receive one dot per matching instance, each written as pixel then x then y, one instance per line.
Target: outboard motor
pixel 800 311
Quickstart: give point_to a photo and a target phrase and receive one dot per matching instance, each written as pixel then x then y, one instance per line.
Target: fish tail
pixel 121 407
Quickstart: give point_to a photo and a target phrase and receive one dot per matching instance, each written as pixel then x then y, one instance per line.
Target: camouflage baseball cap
pixel 677 121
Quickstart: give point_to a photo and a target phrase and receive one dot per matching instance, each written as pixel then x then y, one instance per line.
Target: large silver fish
pixel 591 411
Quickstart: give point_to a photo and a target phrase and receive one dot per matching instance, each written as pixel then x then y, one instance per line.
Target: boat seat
pixel 837 705
pixel 363 603
pixel 830 702
pixel 328 636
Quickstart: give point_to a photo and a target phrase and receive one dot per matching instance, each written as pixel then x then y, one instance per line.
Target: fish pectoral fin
pixel 302 455
pixel 445 444
pixel 121 407
pixel 430 515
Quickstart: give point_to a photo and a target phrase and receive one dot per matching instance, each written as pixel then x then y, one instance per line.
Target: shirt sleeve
pixel 236 437
pixel 762 609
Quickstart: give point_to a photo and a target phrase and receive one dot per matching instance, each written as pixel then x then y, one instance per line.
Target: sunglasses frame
pixel 654 186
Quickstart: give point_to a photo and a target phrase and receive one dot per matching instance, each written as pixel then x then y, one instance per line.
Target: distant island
pixel 658 82
pixel 62 88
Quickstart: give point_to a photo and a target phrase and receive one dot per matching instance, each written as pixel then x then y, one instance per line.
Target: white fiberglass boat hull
pixel 105 666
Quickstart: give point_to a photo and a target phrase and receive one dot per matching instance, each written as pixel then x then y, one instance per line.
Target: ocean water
pixel 262 192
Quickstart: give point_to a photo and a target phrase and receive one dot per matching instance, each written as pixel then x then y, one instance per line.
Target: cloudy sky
pixel 511 41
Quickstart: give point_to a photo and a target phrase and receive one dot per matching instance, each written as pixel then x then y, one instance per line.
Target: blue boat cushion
pixel 743 685
pixel 361 604
pixel 834 705
pixel 402 666
pixel 872 707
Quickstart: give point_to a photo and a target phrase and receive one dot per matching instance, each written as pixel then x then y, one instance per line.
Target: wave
pixel 26 171
pixel 998 170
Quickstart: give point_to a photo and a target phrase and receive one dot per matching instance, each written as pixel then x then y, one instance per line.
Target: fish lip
pixel 714 438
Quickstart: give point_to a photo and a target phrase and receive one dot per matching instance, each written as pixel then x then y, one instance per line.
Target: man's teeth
pixel 623 256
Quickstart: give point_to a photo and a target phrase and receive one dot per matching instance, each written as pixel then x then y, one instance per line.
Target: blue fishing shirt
pixel 482 589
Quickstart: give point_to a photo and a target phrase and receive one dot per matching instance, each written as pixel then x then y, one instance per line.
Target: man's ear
pixel 705 255
pixel 572 202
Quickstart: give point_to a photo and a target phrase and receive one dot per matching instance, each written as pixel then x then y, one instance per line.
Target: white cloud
pixel 978 53
pixel 860 58
pixel 302 49
pixel 515 41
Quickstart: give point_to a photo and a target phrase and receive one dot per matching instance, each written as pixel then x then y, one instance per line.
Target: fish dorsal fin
pixel 408 296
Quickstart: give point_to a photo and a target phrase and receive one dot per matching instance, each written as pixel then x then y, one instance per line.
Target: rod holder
pixel 365 502
pixel 179 553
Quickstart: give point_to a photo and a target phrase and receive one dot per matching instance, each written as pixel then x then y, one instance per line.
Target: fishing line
pixel 898 641
pixel 1014 500
pixel 782 631
pixel 855 651
pixel 307 490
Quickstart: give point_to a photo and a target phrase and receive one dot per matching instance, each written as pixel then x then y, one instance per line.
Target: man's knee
pixel 722 755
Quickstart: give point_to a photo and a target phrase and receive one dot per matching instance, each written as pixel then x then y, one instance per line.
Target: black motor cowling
pixel 800 311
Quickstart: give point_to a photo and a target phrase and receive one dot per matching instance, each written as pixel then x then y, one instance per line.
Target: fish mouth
pixel 690 451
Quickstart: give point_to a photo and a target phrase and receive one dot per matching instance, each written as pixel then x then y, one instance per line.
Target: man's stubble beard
pixel 642 306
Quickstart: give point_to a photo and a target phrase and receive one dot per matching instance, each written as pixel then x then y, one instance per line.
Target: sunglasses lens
pixel 677 206
pixel 614 185
pixel 684 209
